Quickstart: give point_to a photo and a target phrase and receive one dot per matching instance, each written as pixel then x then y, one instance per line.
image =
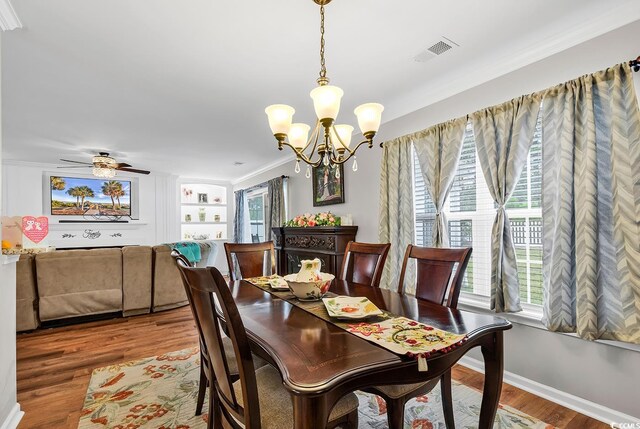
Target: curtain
pixel 276 216
pixel 239 217
pixel 503 137
pixel 396 210
pixel 591 207
pixel 438 149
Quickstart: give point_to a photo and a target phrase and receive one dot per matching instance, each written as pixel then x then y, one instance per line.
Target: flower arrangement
pixel 318 219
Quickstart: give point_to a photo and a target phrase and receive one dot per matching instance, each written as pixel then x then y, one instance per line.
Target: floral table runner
pixel 397 334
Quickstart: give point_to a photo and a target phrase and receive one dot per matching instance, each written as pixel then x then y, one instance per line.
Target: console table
pixel 326 243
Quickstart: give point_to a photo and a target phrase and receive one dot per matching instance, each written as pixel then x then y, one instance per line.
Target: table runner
pixel 397 334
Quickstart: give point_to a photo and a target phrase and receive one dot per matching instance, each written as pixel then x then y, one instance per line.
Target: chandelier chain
pixel 323 67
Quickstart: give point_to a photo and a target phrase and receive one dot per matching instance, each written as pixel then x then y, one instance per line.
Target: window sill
pixel 530 315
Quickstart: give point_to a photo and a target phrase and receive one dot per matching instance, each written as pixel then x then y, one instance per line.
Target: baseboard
pixel 576 403
pixel 14 417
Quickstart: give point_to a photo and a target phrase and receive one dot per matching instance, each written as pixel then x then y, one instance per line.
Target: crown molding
pixel 8 18
pixel 261 170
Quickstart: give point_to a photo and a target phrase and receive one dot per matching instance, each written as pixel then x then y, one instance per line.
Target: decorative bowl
pixel 310 291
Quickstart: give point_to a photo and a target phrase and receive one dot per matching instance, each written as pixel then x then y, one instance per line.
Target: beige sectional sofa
pixel 71 283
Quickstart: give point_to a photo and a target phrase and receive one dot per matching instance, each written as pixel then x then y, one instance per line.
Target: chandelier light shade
pixel 328 144
pixel 326 101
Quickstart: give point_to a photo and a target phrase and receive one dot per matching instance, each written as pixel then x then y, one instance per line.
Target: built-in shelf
pixel 206 218
pixel 205 205
pixel 204 223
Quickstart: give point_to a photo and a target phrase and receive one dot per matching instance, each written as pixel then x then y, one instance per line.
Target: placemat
pixel 397 334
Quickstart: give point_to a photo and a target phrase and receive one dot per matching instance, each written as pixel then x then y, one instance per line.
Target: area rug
pixel 160 392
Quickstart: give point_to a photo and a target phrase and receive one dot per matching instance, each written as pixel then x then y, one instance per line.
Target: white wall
pixel 22 195
pixel 597 372
pixel 9 409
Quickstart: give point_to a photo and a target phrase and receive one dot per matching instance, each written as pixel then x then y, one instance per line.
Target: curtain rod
pixel 635 64
pixel 263 184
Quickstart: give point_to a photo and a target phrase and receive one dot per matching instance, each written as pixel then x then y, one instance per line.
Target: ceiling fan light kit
pixel 328 144
pixel 104 166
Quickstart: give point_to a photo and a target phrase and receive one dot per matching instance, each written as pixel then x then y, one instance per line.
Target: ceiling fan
pixel 104 165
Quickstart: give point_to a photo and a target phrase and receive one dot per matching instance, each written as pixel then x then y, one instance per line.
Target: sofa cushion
pixel 136 280
pixel 26 313
pixel 79 282
pixel 168 289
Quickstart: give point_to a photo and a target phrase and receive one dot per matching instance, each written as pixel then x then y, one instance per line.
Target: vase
pixel 202 215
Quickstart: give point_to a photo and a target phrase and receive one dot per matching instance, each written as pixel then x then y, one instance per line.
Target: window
pixel 470 212
pixel 258 207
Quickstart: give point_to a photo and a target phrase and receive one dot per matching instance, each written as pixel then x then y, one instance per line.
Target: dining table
pixel 320 362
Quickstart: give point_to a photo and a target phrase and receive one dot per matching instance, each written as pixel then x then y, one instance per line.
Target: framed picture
pixel 203 198
pixel 327 189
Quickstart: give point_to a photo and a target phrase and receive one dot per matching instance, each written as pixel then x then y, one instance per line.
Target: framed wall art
pixel 327 189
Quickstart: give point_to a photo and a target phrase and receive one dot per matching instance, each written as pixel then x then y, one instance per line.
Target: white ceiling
pixel 180 86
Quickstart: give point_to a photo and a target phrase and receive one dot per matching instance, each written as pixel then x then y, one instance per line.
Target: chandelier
pixel 104 166
pixel 328 144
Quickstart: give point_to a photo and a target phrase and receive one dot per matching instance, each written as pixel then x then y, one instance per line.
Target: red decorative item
pixel 35 228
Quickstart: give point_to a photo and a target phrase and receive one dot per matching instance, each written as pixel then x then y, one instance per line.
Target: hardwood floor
pixel 54 368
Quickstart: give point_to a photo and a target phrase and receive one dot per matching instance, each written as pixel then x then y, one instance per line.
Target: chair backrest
pixel 203 283
pixel 185 262
pixel 435 267
pixel 363 262
pixel 250 259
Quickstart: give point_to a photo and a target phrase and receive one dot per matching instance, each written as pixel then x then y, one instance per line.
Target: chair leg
pixel 213 410
pixel 447 400
pixel 202 389
pixel 395 412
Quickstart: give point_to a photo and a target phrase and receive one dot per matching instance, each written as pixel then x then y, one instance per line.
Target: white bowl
pixel 309 291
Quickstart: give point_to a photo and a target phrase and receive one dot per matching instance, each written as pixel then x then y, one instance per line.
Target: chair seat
pixel 231 357
pixel 276 408
pixel 395 391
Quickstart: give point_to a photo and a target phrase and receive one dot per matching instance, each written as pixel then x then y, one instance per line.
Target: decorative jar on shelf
pixel 202 214
pixel 216 218
pixel 187 218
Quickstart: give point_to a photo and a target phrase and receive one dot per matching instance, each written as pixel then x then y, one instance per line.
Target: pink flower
pixel 312 223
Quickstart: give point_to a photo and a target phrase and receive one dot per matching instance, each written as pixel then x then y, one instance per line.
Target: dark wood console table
pixel 326 243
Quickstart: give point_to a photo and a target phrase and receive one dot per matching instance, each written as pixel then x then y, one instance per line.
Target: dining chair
pixel 205 365
pixel 364 262
pixel 439 276
pixel 256 399
pixel 250 259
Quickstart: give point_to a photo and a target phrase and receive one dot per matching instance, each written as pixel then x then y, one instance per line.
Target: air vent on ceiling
pixel 438 48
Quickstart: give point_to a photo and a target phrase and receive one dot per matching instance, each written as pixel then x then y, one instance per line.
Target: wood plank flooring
pixel 54 368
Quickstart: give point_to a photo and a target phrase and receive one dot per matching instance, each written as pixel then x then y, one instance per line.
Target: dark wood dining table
pixel 320 362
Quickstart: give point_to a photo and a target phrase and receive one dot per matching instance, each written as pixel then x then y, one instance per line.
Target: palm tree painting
pixel 80 196
pixel 58 183
pixel 85 192
pixel 112 189
pixel 75 192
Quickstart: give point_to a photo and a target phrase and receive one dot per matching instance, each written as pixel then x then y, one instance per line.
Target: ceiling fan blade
pixel 132 170
pixel 122 164
pixel 75 166
pixel 76 162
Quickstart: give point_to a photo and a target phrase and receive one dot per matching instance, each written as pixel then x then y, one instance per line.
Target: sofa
pixel 130 280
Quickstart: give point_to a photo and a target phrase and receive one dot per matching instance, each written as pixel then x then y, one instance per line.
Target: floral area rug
pixel 160 393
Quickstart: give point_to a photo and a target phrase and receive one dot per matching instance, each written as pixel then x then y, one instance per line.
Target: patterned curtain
pixel 396 210
pixel 438 149
pixel 591 207
pixel 276 215
pixel 503 137
pixel 239 217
